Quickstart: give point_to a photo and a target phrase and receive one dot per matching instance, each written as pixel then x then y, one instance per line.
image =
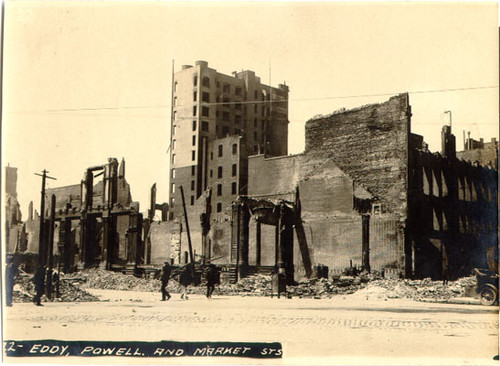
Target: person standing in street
pixel 185 279
pixel 11 273
pixel 212 279
pixel 39 281
pixel 165 277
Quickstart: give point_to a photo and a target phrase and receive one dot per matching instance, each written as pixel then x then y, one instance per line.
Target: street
pixel 353 329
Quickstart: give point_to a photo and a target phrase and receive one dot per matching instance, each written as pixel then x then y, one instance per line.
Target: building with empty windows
pixel 366 192
pixel 217 121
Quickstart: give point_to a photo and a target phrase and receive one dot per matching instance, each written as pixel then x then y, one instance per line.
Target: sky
pixel 87 80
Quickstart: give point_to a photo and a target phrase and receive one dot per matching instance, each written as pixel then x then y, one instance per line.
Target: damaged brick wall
pixel 370 145
pixel 332 226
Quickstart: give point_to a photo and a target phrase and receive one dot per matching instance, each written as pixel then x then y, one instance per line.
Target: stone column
pixel 288 253
pixel 281 241
pixel 244 221
pixel 365 245
pixel 258 247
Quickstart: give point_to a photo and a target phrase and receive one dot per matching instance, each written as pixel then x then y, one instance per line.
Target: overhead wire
pixel 267 101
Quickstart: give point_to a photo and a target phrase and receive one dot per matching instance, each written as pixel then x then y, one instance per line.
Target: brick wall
pixel 164 240
pixel 273 175
pixel 370 145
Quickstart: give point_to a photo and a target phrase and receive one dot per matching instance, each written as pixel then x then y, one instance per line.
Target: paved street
pixel 344 329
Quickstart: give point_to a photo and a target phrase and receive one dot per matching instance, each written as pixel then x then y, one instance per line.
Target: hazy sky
pixel 84 81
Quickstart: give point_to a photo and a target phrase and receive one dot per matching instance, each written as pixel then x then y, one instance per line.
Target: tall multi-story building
pixel 209 107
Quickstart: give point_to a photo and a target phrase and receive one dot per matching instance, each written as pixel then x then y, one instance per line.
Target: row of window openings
pixel 174 143
pixel 205 124
pixel 204 127
pixel 234 171
pixel 466 191
pixel 193 171
pixel 205 98
pixel 193 152
pixel 219 193
pixel 172 201
pixel 234 189
pixel 193 156
pixel 226 88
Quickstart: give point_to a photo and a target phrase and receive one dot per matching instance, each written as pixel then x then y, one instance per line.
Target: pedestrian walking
pixel 11 273
pixel 213 278
pixel 185 279
pixel 39 281
pixel 165 277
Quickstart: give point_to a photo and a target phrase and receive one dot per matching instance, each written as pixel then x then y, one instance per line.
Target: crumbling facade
pixel 15 236
pixel 365 193
pixel 90 224
pixel 453 217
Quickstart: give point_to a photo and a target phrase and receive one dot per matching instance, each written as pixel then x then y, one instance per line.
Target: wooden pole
pixel 51 244
pixel 191 257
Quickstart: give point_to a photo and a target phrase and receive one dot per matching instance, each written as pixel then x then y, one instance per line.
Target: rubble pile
pixel 256 285
pixel 420 290
pixel 108 280
pixel 261 285
pixel 24 291
pixel 323 287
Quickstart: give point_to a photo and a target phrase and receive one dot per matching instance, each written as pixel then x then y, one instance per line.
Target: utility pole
pixel 191 258
pixel 51 245
pixel 42 255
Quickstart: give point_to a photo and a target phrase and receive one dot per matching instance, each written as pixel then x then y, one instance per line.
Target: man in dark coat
pixel 11 272
pixel 165 277
pixel 185 279
pixel 39 281
pixel 212 279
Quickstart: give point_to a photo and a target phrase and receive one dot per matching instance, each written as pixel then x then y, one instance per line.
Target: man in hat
pixel 165 277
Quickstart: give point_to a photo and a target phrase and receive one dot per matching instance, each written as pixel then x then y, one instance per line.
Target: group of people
pixel 11 273
pixel 186 279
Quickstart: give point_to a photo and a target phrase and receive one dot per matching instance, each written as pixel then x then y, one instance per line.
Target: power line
pixel 271 101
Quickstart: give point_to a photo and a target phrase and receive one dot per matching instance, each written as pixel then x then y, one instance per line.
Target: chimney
pixel 448 149
pixel 30 211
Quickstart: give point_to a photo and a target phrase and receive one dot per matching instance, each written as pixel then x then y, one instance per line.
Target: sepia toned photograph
pixel 276 182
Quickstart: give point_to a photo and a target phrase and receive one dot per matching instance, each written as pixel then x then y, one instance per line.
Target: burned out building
pixel 90 224
pixel 365 193
pixel 453 217
pixel 15 236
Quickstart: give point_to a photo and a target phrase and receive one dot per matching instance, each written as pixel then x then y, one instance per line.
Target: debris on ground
pixel 73 286
pixel 24 291
pixel 109 280
pixel 419 290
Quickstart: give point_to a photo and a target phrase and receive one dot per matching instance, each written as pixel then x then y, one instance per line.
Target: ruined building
pixel 94 223
pixel 484 153
pixel 14 230
pixel 365 192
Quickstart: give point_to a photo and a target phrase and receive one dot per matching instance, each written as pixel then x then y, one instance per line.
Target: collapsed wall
pixel 370 144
